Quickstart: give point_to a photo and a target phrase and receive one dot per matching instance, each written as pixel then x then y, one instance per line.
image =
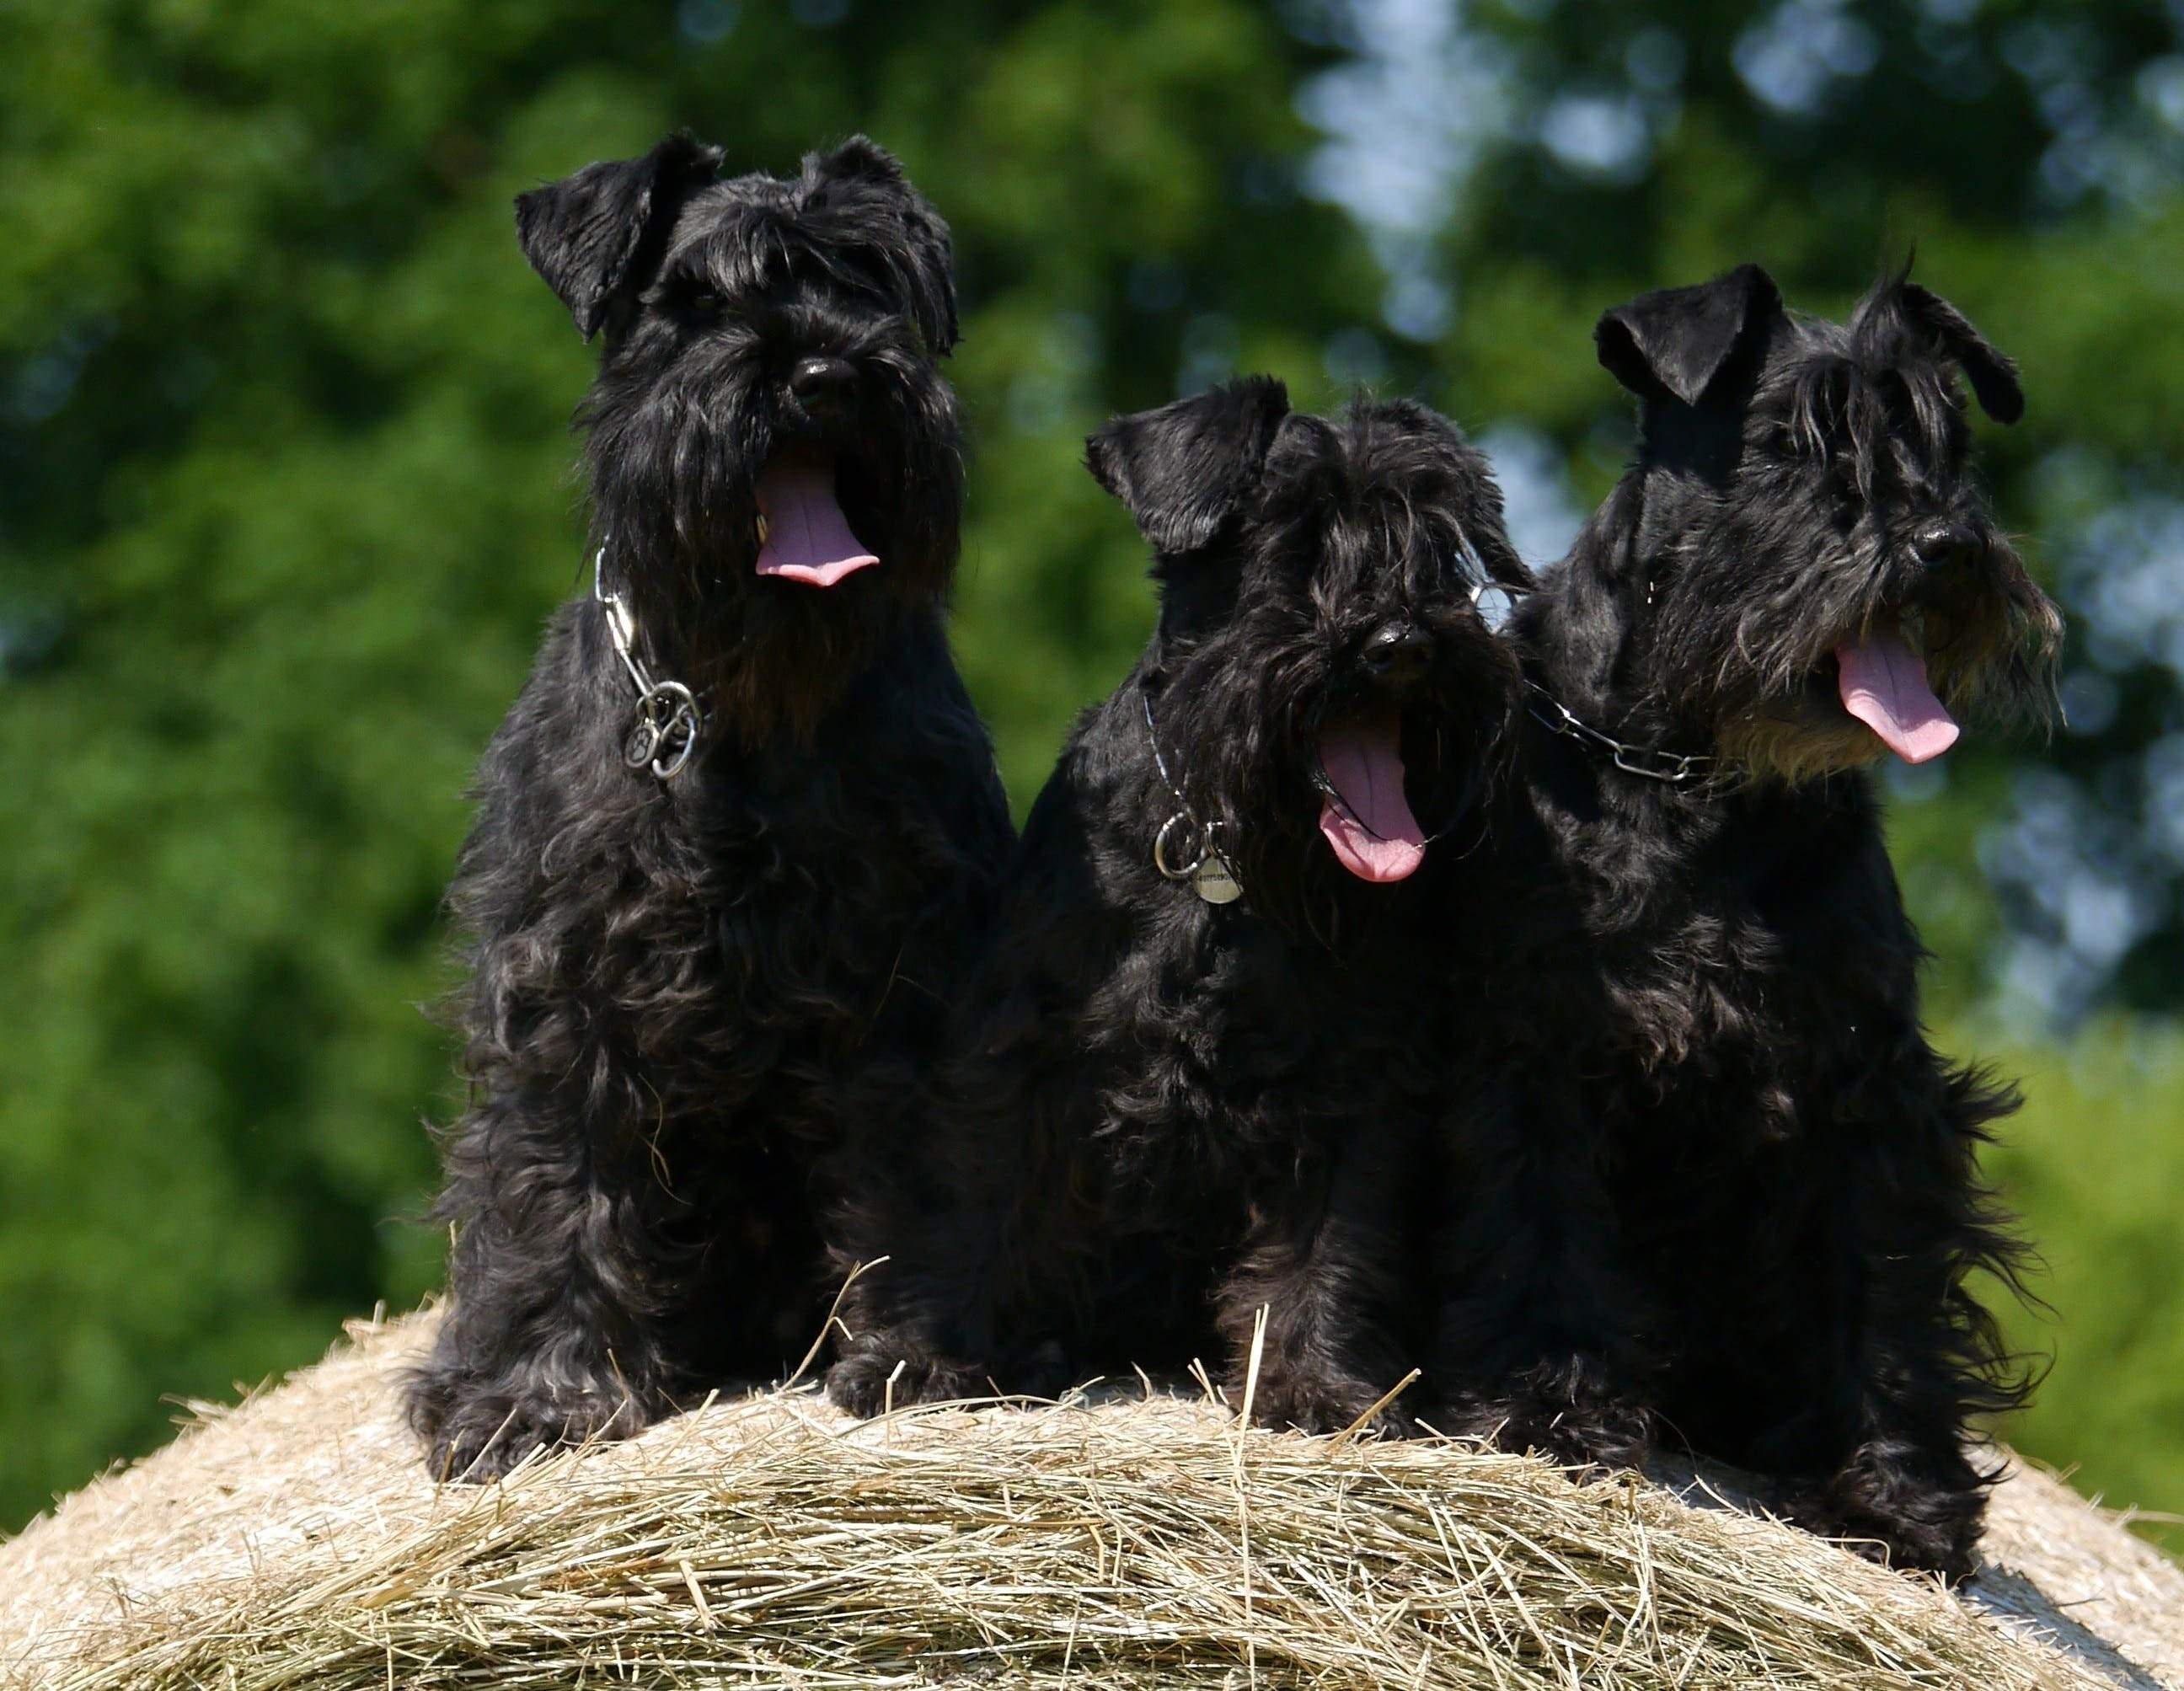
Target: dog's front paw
pixel 880 1376
pixel 1883 1507
pixel 1565 1412
pixel 476 1432
pixel 1312 1401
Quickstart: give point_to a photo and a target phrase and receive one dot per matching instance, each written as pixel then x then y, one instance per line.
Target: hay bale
pixel 295 1541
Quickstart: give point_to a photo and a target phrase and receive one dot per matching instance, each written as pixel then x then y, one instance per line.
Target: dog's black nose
pixel 1399 652
pixel 1938 545
pixel 823 384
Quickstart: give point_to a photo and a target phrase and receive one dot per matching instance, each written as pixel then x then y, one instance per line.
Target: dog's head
pixel 776 461
pixel 1322 683
pixel 1817 579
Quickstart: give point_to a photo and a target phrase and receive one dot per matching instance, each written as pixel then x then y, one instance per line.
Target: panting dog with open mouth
pixel 738 829
pixel 1797 580
pixel 1193 1075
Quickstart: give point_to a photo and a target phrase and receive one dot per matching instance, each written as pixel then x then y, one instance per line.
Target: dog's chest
pixel 1233 1058
pixel 1746 1022
pixel 820 897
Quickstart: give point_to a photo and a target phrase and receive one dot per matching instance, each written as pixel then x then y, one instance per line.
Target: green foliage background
pixel 284 498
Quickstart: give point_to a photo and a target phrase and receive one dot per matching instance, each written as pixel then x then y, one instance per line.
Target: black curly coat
pixel 687 992
pixel 1161 1113
pixel 1770 1208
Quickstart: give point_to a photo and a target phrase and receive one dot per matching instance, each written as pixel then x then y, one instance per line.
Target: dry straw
pixel 1127 1542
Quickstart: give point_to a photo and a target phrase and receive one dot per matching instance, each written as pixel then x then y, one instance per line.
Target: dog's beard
pixel 1866 696
pixel 1328 791
pixel 1994 655
pixel 767 576
pixel 1898 680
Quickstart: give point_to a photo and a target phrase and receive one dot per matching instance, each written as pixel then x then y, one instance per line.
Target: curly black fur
pixel 1784 1169
pixel 684 992
pixel 1159 1114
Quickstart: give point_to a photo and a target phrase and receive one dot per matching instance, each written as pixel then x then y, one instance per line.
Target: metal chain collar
pixel 1674 769
pixel 669 721
pixel 1208 871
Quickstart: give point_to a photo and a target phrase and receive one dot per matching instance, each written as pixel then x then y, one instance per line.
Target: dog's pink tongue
pixel 807 537
pixel 1370 826
pixel 1884 686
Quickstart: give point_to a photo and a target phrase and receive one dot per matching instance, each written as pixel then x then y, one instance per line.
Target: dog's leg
pixel 979 1285
pixel 974 1203
pixel 1534 1343
pixel 1330 1270
pixel 939 1204
pixel 916 1328
pixel 1915 1355
pixel 553 1336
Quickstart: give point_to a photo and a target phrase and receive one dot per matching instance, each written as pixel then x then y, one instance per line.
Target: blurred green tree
pixel 285 498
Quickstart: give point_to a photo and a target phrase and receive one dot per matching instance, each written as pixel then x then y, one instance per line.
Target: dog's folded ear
pixel 1932 321
pixel 927 281
pixel 1182 469
pixel 601 233
pixel 1674 343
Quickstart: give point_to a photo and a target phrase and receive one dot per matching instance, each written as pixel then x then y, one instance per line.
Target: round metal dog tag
pixel 1213 881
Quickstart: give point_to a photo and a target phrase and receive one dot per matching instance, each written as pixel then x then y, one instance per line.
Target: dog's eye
pixel 705 305
pixel 1787 443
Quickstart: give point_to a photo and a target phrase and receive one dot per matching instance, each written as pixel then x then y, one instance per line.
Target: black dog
pixel 743 815
pixel 1193 1075
pixel 1797 579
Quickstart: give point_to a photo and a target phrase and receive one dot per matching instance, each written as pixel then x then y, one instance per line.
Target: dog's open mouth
pixel 803 535
pixel 1882 679
pixel 1363 812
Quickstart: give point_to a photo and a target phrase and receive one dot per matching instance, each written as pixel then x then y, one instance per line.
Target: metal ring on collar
pixel 1202 839
pixel 672 712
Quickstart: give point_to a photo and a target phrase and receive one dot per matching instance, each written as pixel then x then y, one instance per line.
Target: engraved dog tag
pixel 1213 881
